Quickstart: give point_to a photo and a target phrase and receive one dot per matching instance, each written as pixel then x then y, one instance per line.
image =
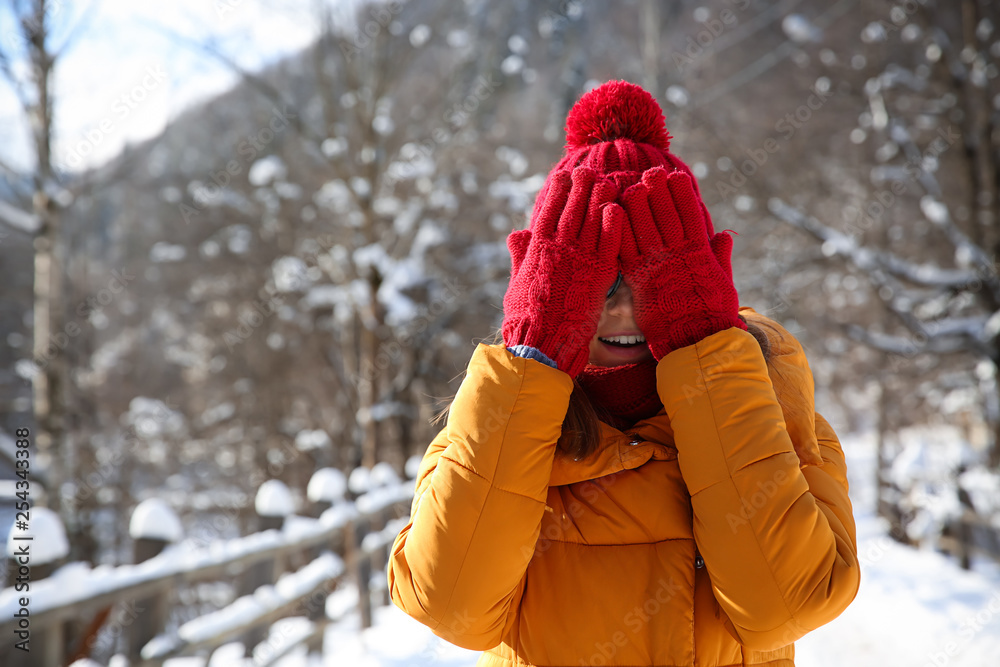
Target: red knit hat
pixel 618 130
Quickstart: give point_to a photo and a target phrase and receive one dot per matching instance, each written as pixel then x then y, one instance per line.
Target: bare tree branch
pixel 941 216
pixel 74 32
pixel 19 220
pixel 7 70
pixel 905 346
pixel 769 59
pixel 256 81
pixel 955 334
pixel 868 259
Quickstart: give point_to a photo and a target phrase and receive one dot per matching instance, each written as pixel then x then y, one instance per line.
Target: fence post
pixel 273 503
pixel 45 540
pixel 379 557
pixel 153 526
pixel 362 568
pixel 326 487
pixel 358 484
pixel 384 476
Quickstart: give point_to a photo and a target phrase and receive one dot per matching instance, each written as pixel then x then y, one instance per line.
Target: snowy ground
pixel 915 608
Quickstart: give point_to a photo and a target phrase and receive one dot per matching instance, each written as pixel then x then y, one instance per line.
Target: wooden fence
pixel 289 570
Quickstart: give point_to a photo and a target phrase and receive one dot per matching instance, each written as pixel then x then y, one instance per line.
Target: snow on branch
pixel 939 215
pixel 957 326
pixel 869 259
pixel 17 219
pixel 940 336
pixel 906 346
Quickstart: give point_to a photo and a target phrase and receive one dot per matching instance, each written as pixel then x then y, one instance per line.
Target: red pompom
pixel 616 110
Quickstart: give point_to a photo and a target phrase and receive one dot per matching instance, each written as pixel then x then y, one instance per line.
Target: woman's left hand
pixel 682 280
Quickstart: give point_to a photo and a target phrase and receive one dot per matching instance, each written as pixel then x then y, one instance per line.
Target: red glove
pixel 561 268
pixel 682 281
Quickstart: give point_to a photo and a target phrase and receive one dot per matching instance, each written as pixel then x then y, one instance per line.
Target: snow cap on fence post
pixel 412 466
pixel 383 475
pixel 49 546
pixel 153 526
pixel 273 503
pixel 359 481
pixel 326 487
pixel 154 519
pixel 328 484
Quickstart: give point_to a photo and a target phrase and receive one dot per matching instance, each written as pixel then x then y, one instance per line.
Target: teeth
pixel 625 340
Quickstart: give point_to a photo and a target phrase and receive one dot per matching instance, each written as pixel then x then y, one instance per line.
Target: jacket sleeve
pixel 458 565
pixel 778 540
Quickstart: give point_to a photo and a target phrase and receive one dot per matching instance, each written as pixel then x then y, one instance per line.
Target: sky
pixel 131 67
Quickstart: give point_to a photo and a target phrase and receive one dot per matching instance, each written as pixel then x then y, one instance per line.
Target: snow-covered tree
pixel 921 233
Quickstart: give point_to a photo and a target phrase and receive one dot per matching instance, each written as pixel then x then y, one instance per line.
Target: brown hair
pixel 581 429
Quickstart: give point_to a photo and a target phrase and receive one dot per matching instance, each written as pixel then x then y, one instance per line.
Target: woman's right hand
pixel 681 278
pixel 562 267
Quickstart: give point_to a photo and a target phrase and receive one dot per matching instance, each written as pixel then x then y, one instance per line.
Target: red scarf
pixel 622 395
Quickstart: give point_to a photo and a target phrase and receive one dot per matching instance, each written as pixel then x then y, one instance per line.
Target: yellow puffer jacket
pixel 715 533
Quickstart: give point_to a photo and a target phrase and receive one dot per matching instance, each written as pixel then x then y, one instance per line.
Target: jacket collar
pixel 621 451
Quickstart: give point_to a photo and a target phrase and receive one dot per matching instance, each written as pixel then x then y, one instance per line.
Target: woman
pixel 638 475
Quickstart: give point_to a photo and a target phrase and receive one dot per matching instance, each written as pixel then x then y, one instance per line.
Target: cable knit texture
pixel 681 275
pixel 562 266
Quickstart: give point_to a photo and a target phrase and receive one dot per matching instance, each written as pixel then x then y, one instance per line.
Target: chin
pixel 620 357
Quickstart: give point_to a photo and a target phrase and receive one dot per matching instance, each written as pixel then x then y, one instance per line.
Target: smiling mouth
pixel 623 341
